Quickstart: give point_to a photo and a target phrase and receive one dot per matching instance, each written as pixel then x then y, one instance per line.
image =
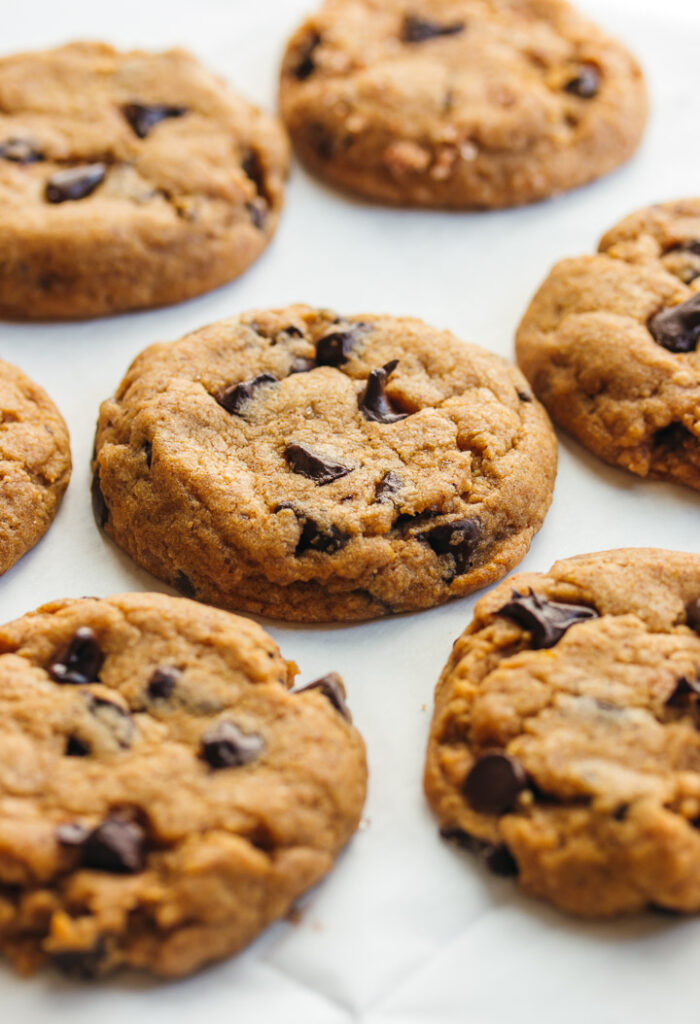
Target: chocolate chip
pixel 19 151
pixel 524 396
pixel 258 211
pixel 497 858
pixel 83 964
pixel 76 747
pixel 74 183
pixel 162 683
pixel 692 615
pixel 81 661
pixel 72 835
pixel 233 397
pixel 335 348
pixel 417 30
pixel 459 538
pixel 292 332
pixel 585 84
pixel 493 783
pixel 313 538
pixel 143 117
pixel 226 746
pixel 303 460
pixel 115 846
pixel 184 585
pixel 331 686
pixel 691 245
pixel 389 485
pixel 254 170
pixel 546 621
pixel 373 401
pixel 677 328
pixel 683 691
pixel 305 66
pixel 147 450
pixel 113 717
pixel 100 509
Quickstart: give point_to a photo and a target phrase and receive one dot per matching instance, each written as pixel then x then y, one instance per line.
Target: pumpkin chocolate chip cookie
pixel 312 467
pixel 610 344
pixel 565 745
pixel 127 180
pixel 164 795
pixel 35 463
pixel 459 103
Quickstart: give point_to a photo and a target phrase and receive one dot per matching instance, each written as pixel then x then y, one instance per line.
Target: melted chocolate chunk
pixel 99 505
pixel 83 964
pixel 493 783
pixel 331 686
pixel 677 328
pixel 81 661
pixel 303 460
pixel 116 846
pixel 389 485
pixel 305 64
pixel 459 538
pixel 335 348
pixel 692 615
pixel 314 538
pixel 586 83
pixel 74 183
pixel 143 117
pixel 184 585
pixel 373 402
pixel 114 718
pixel 546 621
pixel 234 397
pixel 75 747
pixel 71 835
pixel 19 151
pixel 226 746
pixel 685 690
pixel 162 683
pixel 417 30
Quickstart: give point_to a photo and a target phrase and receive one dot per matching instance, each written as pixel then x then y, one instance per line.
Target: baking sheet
pixel 406 929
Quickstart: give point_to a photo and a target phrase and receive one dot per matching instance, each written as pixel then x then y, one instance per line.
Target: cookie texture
pixel 609 344
pixel 306 466
pixel 128 180
pixel 163 794
pixel 565 745
pixel 35 463
pixel 459 103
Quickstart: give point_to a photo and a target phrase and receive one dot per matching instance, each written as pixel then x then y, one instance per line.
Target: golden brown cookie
pixel 35 463
pixel 565 745
pixel 164 795
pixel 312 467
pixel 459 103
pixel 609 344
pixel 127 180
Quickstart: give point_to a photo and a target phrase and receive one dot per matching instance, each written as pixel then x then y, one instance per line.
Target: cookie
pixel 128 180
pixel 311 467
pixel 609 344
pixel 459 103
pixel 35 463
pixel 164 796
pixel 565 746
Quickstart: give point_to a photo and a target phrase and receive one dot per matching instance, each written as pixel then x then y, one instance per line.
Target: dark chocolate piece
pixel 81 661
pixel 678 327
pixel 373 402
pixel 459 538
pixel 74 183
pixel 19 151
pixel 115 846
pixel 226 746
pixel 586 83
pixel 143 117
pixel 493 783
pixel 331 686
pixel 303 460
pixel 162 683
pixel 234 397
pixel 546 621
pixel 418 30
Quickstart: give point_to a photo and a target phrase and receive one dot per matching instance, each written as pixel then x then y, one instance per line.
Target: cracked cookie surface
pixel 565 744
pixel 459 103
pixel 164 796
pixel 128 180
pixel 306 466
pixel 35 463
pixel 609 343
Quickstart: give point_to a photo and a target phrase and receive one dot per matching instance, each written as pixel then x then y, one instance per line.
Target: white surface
pixel 405 929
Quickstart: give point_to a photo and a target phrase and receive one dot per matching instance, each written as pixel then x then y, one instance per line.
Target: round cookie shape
pixel 35 463
pixel 609 344
pixel 128 180
pixel 164 795
pixel 565 743
pixel 459 103
pixel 311 467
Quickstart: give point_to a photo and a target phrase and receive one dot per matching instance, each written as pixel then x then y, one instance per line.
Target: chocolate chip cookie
pixel 312 467
pixel 565 746
pixel 610 341
pixel 459 103
pixel 127 180
pixel 35 463
pixel 164 795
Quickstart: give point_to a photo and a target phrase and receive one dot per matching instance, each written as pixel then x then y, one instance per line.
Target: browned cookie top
pixel 459 103
pixel 310 466
pixel 127 180
pixel 610 344
pixel 163 794
pixel 565 745
pixel 35 463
